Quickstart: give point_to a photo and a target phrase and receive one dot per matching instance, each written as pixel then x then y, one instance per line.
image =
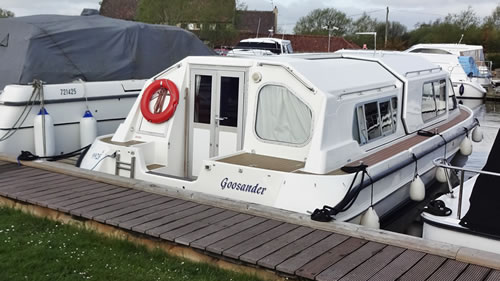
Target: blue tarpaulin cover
pixel 61 49
pixel 469 65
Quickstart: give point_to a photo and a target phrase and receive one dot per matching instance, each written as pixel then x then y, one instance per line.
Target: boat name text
pixel 226 183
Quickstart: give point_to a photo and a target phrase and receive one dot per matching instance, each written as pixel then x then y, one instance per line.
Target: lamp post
pixel 374 38
pixel 330 29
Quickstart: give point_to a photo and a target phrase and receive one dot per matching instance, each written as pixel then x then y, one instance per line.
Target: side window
pixel 281 116
pixel 433 99
pixel 428 103
pixel 375 119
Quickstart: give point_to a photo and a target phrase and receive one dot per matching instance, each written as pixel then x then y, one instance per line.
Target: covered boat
pixel 74 64
pixel 336 132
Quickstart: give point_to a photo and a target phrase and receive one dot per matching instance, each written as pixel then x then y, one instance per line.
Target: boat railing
pixel 418 72
pixel 440 162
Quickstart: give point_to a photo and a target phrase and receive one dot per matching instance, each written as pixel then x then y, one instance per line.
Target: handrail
pixel 440 163
pixel 310 88
pixel 422 70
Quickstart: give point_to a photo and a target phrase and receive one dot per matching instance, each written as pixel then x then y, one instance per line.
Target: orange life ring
pixel 159 115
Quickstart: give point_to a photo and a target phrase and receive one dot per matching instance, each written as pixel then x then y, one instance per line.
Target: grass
pixel 32 248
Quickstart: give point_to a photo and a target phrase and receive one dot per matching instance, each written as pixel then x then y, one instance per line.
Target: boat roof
pixel 265 40
pixel 453 48
pixel 337 73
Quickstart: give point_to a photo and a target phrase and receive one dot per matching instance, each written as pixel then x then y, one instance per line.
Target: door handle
pixel 220 118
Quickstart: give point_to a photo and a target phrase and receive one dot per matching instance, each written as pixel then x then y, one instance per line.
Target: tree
pixel 6 14
pixel 464 20
pixel 364 23
pixel 494 20
pixel 319 21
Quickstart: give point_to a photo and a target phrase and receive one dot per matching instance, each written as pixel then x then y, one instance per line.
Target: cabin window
pixel 375 119
pixel 281 116
pixel 433 99
pixel 203 99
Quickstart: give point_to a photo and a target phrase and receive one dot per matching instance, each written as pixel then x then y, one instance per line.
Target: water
pixel 407 220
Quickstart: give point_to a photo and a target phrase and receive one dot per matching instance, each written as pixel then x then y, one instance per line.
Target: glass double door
pixel 216 115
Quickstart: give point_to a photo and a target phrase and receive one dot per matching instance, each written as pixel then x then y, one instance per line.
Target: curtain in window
pixel 281 116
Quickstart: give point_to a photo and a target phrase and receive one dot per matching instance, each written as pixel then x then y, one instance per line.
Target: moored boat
pixel 464 83
pixel 76 66
pixel 336 132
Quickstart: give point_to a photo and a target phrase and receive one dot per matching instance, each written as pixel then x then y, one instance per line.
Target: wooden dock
pixel 273 244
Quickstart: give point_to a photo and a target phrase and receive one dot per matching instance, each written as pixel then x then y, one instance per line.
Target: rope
pixel 415 173
pixel 28 156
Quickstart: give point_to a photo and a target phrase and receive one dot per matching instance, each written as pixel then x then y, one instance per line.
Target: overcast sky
pixel 408 12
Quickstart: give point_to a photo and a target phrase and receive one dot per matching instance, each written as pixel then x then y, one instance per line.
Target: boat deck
pixel 285 245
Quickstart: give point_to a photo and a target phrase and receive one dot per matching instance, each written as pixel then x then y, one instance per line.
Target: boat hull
pixel 109 102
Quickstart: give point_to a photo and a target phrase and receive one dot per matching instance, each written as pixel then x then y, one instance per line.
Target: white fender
pixel 441 175
pixel 466 146
pixel 370 218
pixel 88 129
pixel 477 134
pixel 50 141
pixel 417 189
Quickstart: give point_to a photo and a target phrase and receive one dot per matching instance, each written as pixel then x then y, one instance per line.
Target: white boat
pixel 464 85
pixel 75 66
pixel 262 47
pixel 291 131
pixel 469 215
pixel 482 76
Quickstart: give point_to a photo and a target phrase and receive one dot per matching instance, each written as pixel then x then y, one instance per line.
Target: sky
pixel 407 12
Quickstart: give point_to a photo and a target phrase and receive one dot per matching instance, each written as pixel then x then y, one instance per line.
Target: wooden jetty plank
pixel 127 220
pixel 111 195
pixel 202 243
pixel 59 187
pixel 157 231
pixel 199 224
pixel 122 205
pixel 105 190
pixel 19 173
pixel 86 210
pixel 272 260
pixel 212 228
pixel 133 208
pixel 316 266
pixel 89 189
pixel 171 217
pixel 450 270
pixel 24 181
pixel 294 263
pixel 399 266
pixel 374 264
pixel 423 269
pixel 350 262
pixel 64 190
pixel 23 190
pixel 156 215
pixel 474 273
pixel 236 251
pixel 494 276
pixel 5 169
pixel 260 252
pixel 219 247
pixel 44 188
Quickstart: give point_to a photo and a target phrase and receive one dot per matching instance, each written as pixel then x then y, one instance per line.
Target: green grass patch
pixel 33 248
